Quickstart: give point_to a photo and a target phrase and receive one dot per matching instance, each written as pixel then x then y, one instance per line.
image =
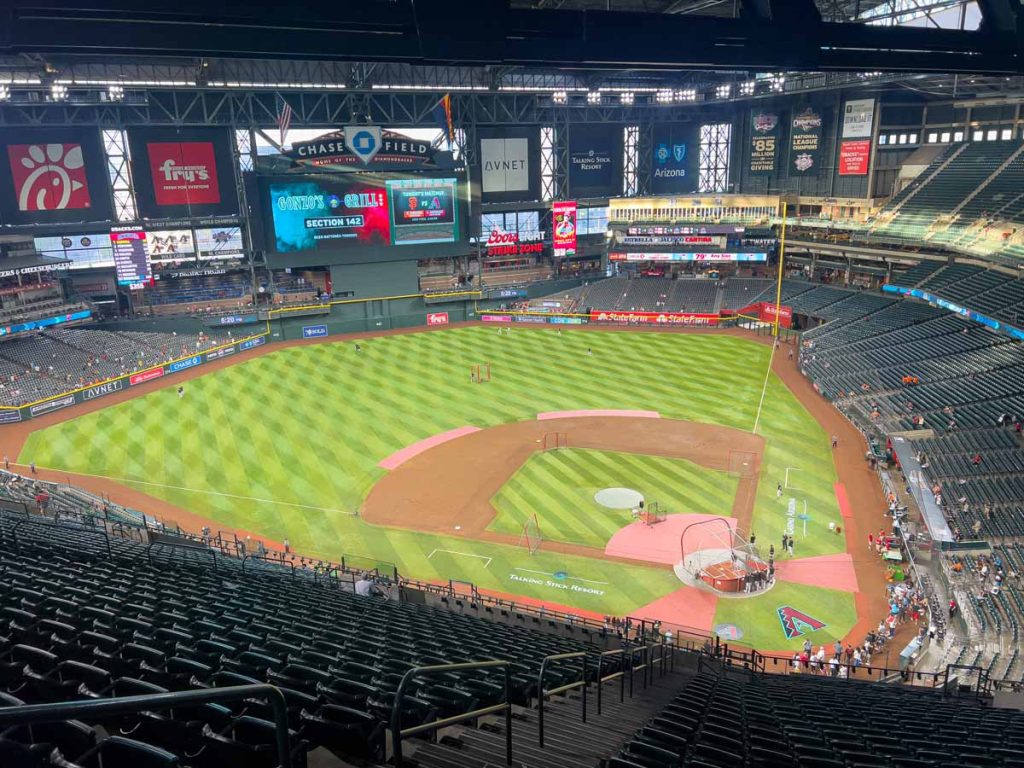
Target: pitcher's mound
pixel 618 498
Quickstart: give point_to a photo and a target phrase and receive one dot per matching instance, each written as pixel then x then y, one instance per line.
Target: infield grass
pixel 287 444
pixel 559 487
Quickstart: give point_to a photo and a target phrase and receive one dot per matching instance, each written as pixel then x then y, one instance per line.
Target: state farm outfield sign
pixel 653 318
pixel 87 394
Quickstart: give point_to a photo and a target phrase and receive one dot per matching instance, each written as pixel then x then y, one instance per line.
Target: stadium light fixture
pixel 663 97
pixel 560 97
pixel 115 93
pixel 723 91
pixel 593 97
pixel 686 94
pixel 747 88
pixel 58 92
pixel 5 93
pixel 778 82
pixel 626 97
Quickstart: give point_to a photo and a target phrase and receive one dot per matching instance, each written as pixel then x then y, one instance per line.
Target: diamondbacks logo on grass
pixel 797 623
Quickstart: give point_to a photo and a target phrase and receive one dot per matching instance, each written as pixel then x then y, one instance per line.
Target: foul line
pixel 464 554
pixel 764 387
pixel 197 490
pixel 574 578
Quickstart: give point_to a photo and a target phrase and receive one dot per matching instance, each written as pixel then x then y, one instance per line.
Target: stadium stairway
pixel 568 742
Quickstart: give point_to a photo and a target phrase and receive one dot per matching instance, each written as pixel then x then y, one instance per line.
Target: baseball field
pixel 391 453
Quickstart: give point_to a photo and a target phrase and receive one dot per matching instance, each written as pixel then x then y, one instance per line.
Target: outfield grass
pixel 759 619
pixel 287 444
pixel 559 487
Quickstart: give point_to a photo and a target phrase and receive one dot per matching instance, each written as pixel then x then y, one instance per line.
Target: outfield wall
pixel 9 415
pixel 368 315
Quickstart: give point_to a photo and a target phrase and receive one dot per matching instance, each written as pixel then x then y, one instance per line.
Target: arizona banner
pixel 674 169
pixel 764 143
pixel 805 139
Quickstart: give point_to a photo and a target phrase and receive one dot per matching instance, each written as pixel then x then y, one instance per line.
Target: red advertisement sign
pixel 653 318
pixel 512 244
pixel 437 318
pixel 564 227
pixel 143 376
pixel 49 177
pixel 495 318
pixel 854 157
pixel 184 172
pixel 766 314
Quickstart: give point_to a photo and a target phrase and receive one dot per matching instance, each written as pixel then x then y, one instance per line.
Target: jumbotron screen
pixel 423 211
pixel 315 213
pixel 321 212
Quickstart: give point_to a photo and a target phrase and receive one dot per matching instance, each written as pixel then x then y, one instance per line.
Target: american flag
pixel 284 118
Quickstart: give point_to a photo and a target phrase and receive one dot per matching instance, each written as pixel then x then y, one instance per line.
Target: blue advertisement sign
pixel 259 341
pixel 970 314
pixel 674 167
pixel 46 323
pixel 313 331
pixel 188 362
pixel 237 319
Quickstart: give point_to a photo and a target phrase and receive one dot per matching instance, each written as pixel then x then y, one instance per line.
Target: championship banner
pixel 563 216
pixel 676 153
pixel 183 172
pixel 53 176
pixel 653 318
pixel 595 160
pixel 858 118
pixel 805 138
pixel 854 157
pixel 509 168
pixel 764 143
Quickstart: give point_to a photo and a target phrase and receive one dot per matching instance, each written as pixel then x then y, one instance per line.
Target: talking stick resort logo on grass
pixel 797 623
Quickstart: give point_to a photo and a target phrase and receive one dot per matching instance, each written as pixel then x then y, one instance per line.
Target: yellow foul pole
pixel 782 258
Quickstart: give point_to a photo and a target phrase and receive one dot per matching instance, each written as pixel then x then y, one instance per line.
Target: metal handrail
pixel 633 667
pixel 77 710
pixel 542 693
pixel 265 558
pixel 601 680
pixel 397 732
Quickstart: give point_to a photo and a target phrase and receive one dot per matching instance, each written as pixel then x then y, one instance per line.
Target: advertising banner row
pixel 87 394
pixel 970 314
pixel 58 175
pixel 800 136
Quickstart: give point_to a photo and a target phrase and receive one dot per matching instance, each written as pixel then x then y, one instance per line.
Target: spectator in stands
pixel 366 587
pixel 976 459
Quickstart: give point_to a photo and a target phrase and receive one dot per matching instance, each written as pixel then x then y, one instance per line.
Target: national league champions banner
pixel 595 160
pixel 764 143
pixel 674 169
pixel 183 172
pixel 805 139
pixel 563 227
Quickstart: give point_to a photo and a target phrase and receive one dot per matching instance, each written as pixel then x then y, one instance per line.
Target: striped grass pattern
pixel 287 444
pixel 559 487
